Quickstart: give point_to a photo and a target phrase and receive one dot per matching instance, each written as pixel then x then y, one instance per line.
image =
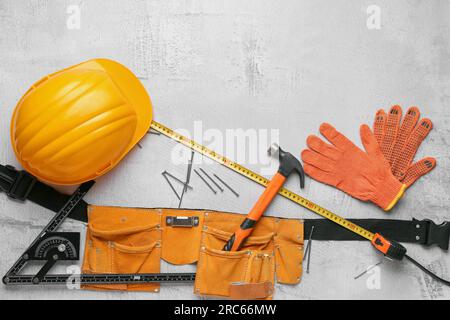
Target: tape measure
pixel 390 248
pixel 262 181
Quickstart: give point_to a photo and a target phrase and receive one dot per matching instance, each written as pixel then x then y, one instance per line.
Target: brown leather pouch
pixel 129 240
pixel 122 240
pixel 288 242
pixel 219 272
pixel 181 234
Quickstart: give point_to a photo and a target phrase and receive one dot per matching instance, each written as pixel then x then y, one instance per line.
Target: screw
pixel 62 247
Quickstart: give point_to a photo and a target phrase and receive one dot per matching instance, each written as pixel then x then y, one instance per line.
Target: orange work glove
pixel 399 143
pixel 366 175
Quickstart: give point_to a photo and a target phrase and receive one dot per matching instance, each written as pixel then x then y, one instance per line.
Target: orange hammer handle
pixel 255 214
pixel 266 198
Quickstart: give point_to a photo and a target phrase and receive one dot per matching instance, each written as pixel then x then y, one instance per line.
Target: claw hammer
pixel 288 164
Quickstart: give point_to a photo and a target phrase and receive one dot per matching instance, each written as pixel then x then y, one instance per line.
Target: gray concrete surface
pixel 283 65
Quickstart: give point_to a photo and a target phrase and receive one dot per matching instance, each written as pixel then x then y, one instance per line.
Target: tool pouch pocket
pixel 289 251
pixel 181 242
pixel 245 274
pixel 122 243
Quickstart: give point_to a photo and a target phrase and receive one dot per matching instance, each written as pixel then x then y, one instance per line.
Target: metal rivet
pixel 417 238
pixel 418 226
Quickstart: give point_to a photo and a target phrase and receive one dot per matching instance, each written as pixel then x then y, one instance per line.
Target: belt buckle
pixel 438 234
pixel 16 184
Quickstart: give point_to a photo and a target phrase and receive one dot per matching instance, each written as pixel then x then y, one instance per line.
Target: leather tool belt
pixel 132 240
pixel 129 240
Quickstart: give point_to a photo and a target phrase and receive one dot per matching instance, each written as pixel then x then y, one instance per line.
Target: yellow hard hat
pixel 78 123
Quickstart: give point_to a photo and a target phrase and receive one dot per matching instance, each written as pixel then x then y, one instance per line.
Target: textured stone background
pixel 286 65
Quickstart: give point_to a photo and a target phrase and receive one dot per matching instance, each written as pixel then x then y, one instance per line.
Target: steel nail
pixel 206 182
pixel 188 177
pixel 226 185
pixel 171 186
pixel 212 180
pixel 367 270
pixel 308 249
pixel 177 179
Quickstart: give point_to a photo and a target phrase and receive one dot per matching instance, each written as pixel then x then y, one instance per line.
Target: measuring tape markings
pixel 261 180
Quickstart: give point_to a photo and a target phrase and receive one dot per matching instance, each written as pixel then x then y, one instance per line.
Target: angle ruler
pixel 261 180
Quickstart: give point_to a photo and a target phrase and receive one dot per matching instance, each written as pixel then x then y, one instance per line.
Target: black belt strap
pixel 21 185
pixel 424 232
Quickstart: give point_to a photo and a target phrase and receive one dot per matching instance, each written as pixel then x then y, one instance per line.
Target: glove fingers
pixel 379 124
pixel 412 144
pixel 418 169
pixel 370 142
pixel 317 160
pixel 318 145
pixel 335 137
pixel 390 131
pixel 319 175
pixel 409 122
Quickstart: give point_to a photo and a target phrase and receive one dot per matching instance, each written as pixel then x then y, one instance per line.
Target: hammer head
pixel 288 163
